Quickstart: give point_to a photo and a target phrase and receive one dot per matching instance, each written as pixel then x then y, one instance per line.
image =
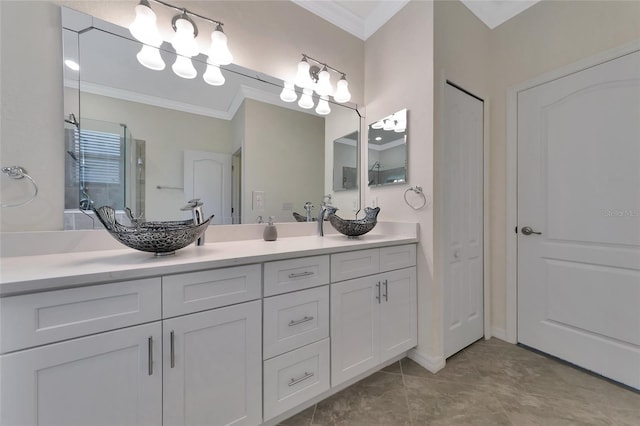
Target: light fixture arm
pixel 307 57
pixel 187 11
pixel 186 18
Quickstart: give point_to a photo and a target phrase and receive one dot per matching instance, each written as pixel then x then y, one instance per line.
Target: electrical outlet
pixel 258 200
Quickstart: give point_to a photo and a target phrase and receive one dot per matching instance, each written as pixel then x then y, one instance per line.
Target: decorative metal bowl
pixel 161 238
pixel 357 227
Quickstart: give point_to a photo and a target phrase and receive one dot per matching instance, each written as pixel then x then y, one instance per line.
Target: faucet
pixel 308 206
pixel 325 210
pixel 195 206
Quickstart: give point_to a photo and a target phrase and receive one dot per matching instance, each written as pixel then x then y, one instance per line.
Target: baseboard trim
pixel 432 364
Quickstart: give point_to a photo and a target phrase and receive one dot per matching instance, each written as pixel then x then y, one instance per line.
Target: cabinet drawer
pixel 199 291
pixel 295 274
pixel 397 257
pixel 39 318
pixel 354 264
pixel 295 319
pixel 295 377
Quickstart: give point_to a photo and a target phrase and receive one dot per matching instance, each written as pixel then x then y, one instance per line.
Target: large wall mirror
pixel 387 150
pixel 150 140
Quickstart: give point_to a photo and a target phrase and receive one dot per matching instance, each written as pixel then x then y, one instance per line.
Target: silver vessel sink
pixel 161 238
pixel 357 227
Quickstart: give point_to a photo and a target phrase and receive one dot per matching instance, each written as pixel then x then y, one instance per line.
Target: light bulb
pixel 400 126
pixel 323 106
pixel 213 75
pixel 378 125
pixel 324 88
pixel 183 67
pixel 303 79
pixel 149 57
pixel 219 51
pixel 342 94
pixel 306 101
pixel 288 93
pixel 184 40
pixel 144 26
pixel 388 125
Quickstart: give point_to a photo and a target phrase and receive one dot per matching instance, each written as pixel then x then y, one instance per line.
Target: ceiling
pixel 362 18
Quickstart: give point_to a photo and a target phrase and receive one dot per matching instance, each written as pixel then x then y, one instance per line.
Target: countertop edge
pixel 186 260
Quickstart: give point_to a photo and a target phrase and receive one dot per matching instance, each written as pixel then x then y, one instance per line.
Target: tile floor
pixel 490 383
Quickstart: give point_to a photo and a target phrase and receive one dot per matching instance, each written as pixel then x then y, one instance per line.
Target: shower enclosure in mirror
pixel 345 158
pixel 255 155
pixel 387 150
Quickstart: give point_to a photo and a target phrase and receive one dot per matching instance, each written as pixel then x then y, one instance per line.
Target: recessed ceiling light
pixel 378 138
pixel 72 64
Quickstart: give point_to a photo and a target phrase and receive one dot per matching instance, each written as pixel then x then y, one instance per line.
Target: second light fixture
pixel 312 78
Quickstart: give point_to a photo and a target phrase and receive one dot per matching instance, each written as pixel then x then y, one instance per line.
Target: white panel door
pixel 354 328
pixel 106 379
pixel 398 312
pixel 213 367
pixel 579 187
pixel 207 176
pixel 463 217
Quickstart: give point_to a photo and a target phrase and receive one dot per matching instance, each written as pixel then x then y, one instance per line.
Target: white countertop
pixel 28 274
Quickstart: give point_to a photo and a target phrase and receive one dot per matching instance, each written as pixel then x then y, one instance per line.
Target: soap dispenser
pixel 270 231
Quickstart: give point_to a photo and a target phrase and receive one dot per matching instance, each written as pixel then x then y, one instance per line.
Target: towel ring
pixel 17 172
pixel 418 190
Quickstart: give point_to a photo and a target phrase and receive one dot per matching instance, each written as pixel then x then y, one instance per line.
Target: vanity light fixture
pixel 312 78
pixel 144 29
pixel 378 125
pixel 389 124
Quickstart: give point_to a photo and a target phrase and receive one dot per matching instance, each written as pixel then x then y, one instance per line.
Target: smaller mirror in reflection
pixel 388 150
pixel 345 168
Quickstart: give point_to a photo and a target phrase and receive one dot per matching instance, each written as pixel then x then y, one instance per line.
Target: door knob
pixel 527 230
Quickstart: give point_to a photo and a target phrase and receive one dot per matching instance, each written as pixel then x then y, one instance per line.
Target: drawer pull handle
pixel 150 348
pixel 300 274
pixel 378 290
pixel 386 290
pixel 173 349
pixel 300 321
pixel 306 376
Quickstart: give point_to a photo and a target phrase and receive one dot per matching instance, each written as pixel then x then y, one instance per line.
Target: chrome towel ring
pixel 17 172
pixel 418 190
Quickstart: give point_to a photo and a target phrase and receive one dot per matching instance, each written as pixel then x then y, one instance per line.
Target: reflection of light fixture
pixel 288 93
pixel 306 101
pixel 389 124
pixel 323 106
pixel 213 76
pixel 149 56
pixel 72 65
pixel 312 77
pixel 378 125
pixel 378 138
pixel 144 29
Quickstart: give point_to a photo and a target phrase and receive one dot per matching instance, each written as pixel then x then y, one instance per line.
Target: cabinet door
pixel 105 379
pixel 398 312
pixel 213 367
pixel 354 328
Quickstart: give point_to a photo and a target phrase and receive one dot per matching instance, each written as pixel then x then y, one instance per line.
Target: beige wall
pixel 399 74
pixel 487 62
pixel 31 134
pixel 168 133
pixel 545 37
pixel 290 156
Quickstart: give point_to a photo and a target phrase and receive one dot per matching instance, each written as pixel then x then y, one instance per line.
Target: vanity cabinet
pixel 212 363
pixel 373 318
pixel 112 378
